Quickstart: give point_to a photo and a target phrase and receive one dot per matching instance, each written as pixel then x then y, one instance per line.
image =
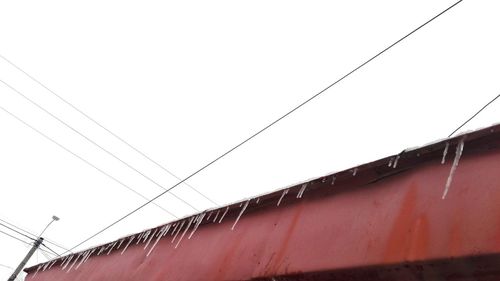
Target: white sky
pixel 183 81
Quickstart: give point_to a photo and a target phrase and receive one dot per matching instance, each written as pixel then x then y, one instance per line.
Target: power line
pixel 18 239
pixel 30 233
pixel 95 143
pixel 13 237
pixel 269 125
pixel 46 255
pixel 106 129
pixel 84 160
pixel 475 114
pixel 11 229
pixel 55 253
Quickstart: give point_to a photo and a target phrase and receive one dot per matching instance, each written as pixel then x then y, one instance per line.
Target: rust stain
pixel 399 237
pixel 275 263
pixel 419 243
pixel 225 262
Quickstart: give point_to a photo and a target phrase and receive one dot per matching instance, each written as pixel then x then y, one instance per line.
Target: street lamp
pixel 54 218
pixel 37 244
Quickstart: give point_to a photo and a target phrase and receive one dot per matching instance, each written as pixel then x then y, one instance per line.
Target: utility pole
pixel 26 259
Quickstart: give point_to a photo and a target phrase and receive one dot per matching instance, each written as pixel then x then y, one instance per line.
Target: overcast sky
pixel 183 81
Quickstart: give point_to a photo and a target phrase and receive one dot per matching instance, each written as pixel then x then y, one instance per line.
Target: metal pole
pixel 26 259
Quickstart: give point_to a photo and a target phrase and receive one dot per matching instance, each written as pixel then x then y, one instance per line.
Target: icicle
pixel 139 238
pixel 37 269
pixel 120 244
pixel 458 154
pixel 198 222
pixel 89 255
pixel 146 236
pixel 101 249
pixel 85 254
pixel 257 201
pixel 216 216
pixel 333 180
pixel 282 195
pixel 301 191
pixel 241 213
pixel 209 215
pixel 45 266
pixel 323 180
pixel 52 264
pixel 184 233
pixel 111 249
pixel 445 151
pixel 396 162
pixel 67 262
pixel 177 233
pixel 130 241
pixel 63 261
pixel 354 172
pixel 73 264
pixel 223 215
pixel 175 227
pixel 160 235
pixel 166 231
pixel 390 162
pixel 150 238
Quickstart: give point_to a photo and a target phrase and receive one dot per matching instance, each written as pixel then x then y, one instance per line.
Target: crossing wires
pixel 100 125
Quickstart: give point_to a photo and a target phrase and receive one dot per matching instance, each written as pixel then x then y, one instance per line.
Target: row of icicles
pixel 147 236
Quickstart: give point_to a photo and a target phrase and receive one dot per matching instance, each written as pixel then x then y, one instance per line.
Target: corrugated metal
pixel 373 222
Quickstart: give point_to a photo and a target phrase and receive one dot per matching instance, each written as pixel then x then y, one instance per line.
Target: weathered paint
pixel 383 223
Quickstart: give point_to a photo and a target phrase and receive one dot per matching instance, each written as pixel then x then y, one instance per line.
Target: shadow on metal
pixel 477 268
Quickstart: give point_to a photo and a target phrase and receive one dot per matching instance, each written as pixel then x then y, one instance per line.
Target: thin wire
pixel 20 240
pixel 45 254
pixel 84 160
pixel 20 233
pixel 51 250
pixel 12 236
pixel 94 143
pixel 268 126
pixel 475 114
pixel 107 130
pixel 30 233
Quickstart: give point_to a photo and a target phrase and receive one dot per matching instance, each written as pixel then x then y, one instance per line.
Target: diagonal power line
pixel 82 159
pixel 32 234
pixel 18 239
pixel 14 237
pixel 12 229
pixel 93 142
pixel 475 114
pixel 106 129
pixel 270 124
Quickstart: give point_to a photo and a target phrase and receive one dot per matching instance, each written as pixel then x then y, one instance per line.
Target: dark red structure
pixel 385 220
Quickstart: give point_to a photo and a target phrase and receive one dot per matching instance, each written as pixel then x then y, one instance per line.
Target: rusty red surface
pixel 374 222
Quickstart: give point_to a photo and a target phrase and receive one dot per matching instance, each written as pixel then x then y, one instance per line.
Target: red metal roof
pixel 384 220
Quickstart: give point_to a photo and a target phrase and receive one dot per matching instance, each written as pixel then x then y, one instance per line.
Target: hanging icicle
pixel 241 213
pixel 458 154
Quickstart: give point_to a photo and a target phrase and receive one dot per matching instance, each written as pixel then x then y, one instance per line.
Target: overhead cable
pixel 94 143
pixel 33 235
pixel 474 115
pixel 268 126
pixel 106 129
pixel 83 159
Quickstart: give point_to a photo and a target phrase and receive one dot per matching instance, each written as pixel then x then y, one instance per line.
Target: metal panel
pixel 374 222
